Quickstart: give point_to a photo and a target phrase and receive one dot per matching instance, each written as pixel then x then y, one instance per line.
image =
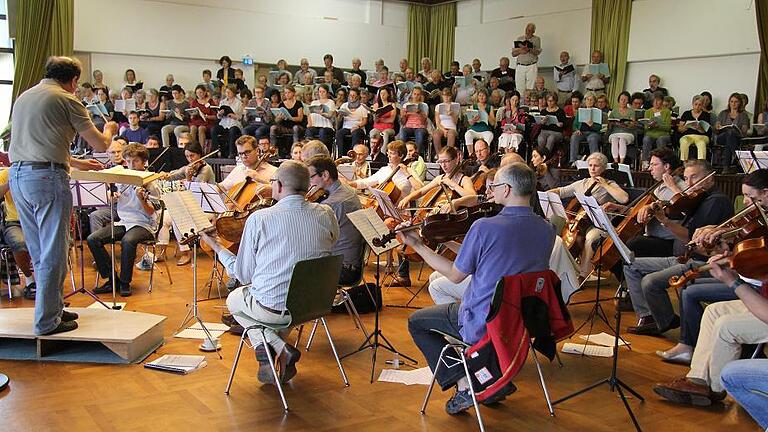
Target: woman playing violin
pixel 546 177
pixel 604 191
pixel 195 171
pixel 448 159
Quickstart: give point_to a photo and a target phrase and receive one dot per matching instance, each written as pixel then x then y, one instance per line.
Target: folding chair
pixel 310 296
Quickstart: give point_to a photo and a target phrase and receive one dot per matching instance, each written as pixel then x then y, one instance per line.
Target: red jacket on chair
pixel 524 306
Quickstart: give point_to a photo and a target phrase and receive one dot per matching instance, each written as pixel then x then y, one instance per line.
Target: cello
pixel 575 231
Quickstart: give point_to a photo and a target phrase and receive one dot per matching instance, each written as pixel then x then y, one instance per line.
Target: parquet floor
pixel 85 397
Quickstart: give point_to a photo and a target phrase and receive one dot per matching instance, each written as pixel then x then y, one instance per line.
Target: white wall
pixel 265 29
pixel 486 29
pixel 694 45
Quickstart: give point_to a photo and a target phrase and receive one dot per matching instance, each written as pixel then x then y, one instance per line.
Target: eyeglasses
pixel 272 180
pixel 245 154
pixel 444 161
pixel 315 174
pixel 492 186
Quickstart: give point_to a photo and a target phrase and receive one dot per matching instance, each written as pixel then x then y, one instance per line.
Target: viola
pixel 749 259
pixel 193 169
pixel 749 223
pixel 444 227
pixel 688 201
pixel 316 194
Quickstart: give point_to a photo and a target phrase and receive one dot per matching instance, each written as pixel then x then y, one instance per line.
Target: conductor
pixel 44 122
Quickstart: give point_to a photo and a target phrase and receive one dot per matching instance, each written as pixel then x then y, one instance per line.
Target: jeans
pixel 548 139
pixel 592 138
pixel 445 318
pixel 129 240
pixel 747 382
pixel 257 130
pixel 730 138
pixel 356 135
pixel 324 134
pixel 648 142
pixel 648 283
pixel 707 290
pixel 419 135
pixel 44 203
pixel 99 218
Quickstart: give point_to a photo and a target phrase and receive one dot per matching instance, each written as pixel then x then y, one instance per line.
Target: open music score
pixel 552 205
pixel 385 204
pixel 117 175
pixel 187 213
pixel 372 227
pixel 600 220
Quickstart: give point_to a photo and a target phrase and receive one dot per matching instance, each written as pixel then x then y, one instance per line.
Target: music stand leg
pixel 372 341
pixel 193 313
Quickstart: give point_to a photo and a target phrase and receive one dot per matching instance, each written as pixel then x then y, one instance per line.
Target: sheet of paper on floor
pixel 196 332
pixel 422 376
pixel 97 305
pixel 588 350
pixel 603 339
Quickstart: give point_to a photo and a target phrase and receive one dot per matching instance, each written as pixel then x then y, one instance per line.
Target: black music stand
pixel 601 221
pixel 91 194
pixel 371 226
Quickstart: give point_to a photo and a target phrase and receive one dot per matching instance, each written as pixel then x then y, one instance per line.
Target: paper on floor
pixel 196 332
pixel 589 350
pixel 421 376
pixel 97 305
pixel 603 339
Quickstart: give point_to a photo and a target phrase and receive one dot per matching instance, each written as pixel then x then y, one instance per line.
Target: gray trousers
pixel 648 283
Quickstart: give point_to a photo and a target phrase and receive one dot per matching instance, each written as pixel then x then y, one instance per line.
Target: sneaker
pixel 265 370
pixel 459 402
pixel 145 264
pixel 30 291
pixel 63 326
pixel 67 316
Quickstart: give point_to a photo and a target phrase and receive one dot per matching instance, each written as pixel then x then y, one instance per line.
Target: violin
pixel 749 259
pixel 193 169
pixel 748 223
pixel 443 227
pixel 685 202
pixel 316 194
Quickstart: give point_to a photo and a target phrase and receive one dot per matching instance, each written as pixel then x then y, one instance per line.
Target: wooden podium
pixel 129 337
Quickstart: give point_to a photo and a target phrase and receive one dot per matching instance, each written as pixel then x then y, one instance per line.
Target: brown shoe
pixel 288 359
pixel 684 391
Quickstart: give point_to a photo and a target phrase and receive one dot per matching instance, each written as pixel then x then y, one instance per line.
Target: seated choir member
pixel 294 123
pixel 13 237
pixel 731 125
pixel 657 130
pixel 512 122
pixel 694 133
pixel 278 237
pixel 647 277
pixel 256 120
pixel 134 132
pixel 343 200
pixel 384 124
pixel 321 125
pixel 446 121
pixel 513 242
pixel 604 191
pixel 622 130
pixel 354 116
pixel 414 123
pixel 137 223
pixel 586 129
pixel 480 129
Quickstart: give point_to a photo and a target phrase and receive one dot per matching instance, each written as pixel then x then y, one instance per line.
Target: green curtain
pixel 418 31
pixel 442 28
pixel 44 28
pixel 431 32
pixel 610 34
pixel 761 12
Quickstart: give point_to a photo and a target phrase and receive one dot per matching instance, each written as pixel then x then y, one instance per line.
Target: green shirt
pixel 663 121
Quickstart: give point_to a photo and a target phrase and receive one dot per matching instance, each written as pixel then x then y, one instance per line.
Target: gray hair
pixel 314 148
pixel 696 98
pixel 293 175
pixel 599 158
pixel 519 177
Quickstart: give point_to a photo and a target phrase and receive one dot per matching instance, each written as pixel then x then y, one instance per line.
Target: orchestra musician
pixel 647 277
pixel 513 242
pixel 448 159
pixel 343 200
pixel 417 165
pixel 405 181
pixel 246 149
pixel 604 191
pixel 137 224
pixel 547 177
pixel 361 167
pixel 377 155
pixel 485 160
pixel 706 289
pixel 277 238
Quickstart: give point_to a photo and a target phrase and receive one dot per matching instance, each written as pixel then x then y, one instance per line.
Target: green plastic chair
pixel 311 293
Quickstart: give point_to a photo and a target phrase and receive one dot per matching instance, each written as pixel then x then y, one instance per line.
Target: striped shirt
pixel 276 238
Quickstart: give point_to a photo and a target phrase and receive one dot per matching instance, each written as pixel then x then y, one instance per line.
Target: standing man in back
pixel 527 55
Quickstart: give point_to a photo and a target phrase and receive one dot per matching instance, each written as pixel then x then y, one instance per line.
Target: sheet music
pixel 88 193
pixel 347 171
pixel 603 339
pixel 101 157
pixel 552 205
pixel 385 204
pixel 186 212
pixel 370 226
pixel 600 220
pixel 208 197
pixel 749 163
pixel 588 350
pixel 422 376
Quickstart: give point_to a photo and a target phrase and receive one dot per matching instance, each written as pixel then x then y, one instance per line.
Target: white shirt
pixel 237 175
pixel 274 240
pixel 227 122
pixel 353 121
pixel 131 211
pixel 319 121
pixel 400 179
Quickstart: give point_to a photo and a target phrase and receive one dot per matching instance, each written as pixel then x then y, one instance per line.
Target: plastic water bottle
pixel 396 361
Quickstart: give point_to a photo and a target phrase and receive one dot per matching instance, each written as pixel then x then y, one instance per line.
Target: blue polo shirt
pixel 512 242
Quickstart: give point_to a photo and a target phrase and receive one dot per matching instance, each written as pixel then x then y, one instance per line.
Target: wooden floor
pixel 84 397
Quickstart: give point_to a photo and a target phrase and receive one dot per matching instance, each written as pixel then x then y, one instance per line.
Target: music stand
pixel 211 200
pixel 751 160
pixel 370 226
pixel 601 221
pixel 90 194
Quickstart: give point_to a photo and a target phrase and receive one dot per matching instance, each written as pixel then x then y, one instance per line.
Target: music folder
pixel 370 226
